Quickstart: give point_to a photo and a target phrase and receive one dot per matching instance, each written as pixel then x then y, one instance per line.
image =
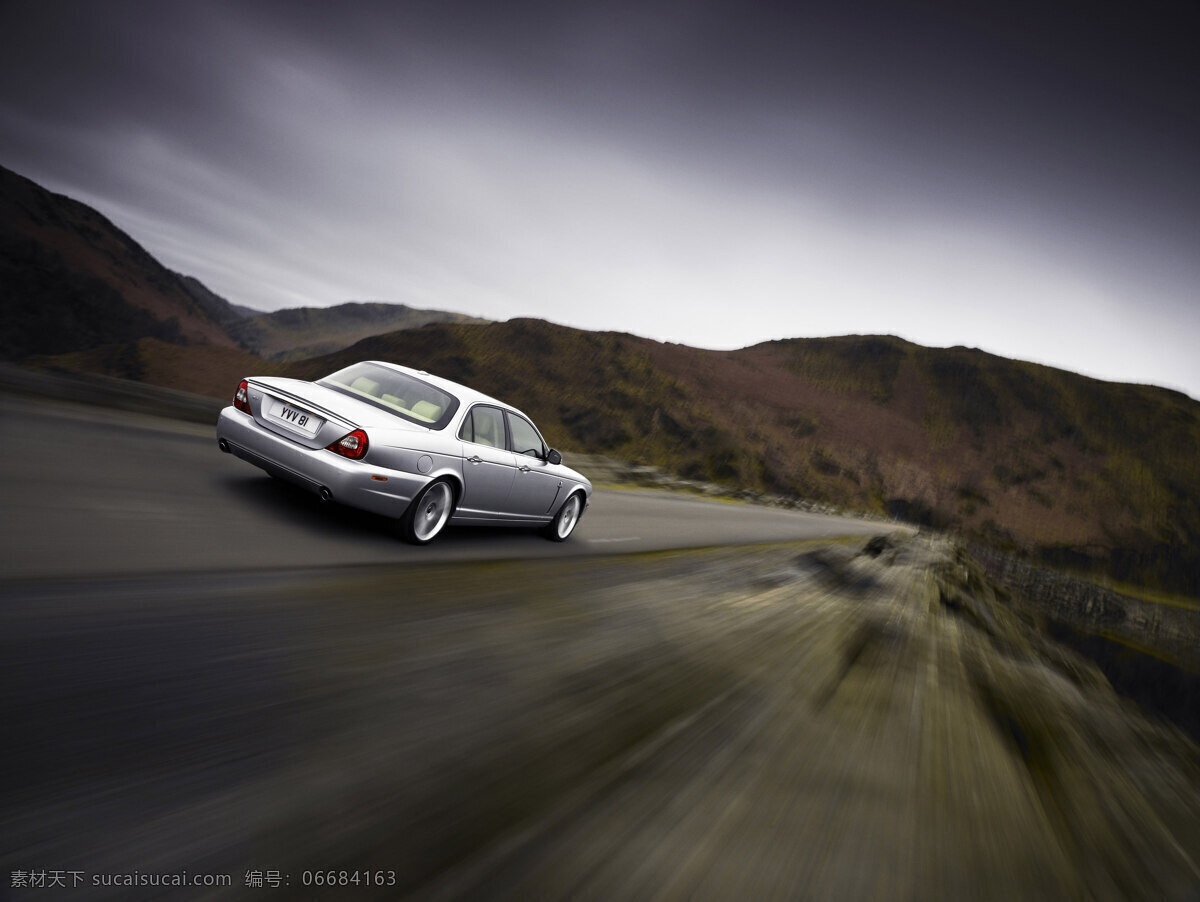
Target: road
pixel 90 492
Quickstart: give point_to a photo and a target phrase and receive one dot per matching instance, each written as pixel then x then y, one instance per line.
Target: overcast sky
pixel 1020 178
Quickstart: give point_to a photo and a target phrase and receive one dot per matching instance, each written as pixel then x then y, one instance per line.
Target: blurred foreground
pixel 813 721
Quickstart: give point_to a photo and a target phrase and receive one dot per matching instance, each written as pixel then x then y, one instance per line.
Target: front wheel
pixel 428 513
pixel 564 521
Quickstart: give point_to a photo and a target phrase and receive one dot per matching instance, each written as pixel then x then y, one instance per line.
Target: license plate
pixel 296 418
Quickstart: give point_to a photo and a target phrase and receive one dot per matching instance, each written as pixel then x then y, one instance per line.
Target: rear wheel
pixel 428 513
pixel 564 521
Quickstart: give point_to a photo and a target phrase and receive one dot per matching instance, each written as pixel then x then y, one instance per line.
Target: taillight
pixel 241 397
pixel 353 446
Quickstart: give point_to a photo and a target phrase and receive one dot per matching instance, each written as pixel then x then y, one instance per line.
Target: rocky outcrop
pixel 1170 631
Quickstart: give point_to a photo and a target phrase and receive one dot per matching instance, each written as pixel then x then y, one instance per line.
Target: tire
pixel 428 513
pixel 564 521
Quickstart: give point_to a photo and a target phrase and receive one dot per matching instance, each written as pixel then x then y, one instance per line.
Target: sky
pixel 1018 177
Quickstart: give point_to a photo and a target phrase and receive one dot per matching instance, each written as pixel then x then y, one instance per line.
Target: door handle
pixel 475 459
pixel 523 468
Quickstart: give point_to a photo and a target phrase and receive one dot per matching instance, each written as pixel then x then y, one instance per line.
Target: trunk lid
pixel 312 415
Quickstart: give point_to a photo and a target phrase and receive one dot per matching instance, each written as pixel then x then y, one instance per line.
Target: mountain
pixel 309 331
pixel 1071 470
pixel 71 283
pixel 71 280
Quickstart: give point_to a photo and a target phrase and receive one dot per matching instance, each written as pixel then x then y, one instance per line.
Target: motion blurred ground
pixel 814 720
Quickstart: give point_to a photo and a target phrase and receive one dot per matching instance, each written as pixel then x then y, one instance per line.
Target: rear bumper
pixel 347 481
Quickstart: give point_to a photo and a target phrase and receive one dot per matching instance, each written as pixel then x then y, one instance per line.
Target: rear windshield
pixel 396 392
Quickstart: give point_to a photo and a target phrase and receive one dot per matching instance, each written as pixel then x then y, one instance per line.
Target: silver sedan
pixel 405 444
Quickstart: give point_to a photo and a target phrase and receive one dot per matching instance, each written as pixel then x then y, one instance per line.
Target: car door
pixel 536 488
pixel 489 467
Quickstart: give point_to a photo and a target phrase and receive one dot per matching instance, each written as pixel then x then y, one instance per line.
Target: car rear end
pixel 319 440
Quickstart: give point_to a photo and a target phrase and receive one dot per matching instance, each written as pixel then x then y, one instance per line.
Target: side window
pixel 525 439
pixel 483 426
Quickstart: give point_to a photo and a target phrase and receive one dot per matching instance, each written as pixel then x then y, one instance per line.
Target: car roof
pixel 464 393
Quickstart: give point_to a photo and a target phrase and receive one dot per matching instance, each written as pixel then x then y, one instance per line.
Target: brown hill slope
pixel 1078 471
pixel 199 369
pixel 71 280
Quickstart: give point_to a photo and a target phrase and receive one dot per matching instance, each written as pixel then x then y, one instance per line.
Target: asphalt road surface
pixel 89 491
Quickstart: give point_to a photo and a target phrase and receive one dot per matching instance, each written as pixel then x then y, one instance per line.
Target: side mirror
pixel 554 457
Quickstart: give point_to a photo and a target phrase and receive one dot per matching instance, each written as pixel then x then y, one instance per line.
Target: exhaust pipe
pixel 324 494
pixel 223 445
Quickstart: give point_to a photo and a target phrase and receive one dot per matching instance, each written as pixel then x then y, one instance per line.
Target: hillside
pixel 1072 470
pixel 301 332
pixel 71 280
pixel 199 369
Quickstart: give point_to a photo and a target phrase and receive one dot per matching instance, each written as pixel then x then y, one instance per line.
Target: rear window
pixel 406 396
